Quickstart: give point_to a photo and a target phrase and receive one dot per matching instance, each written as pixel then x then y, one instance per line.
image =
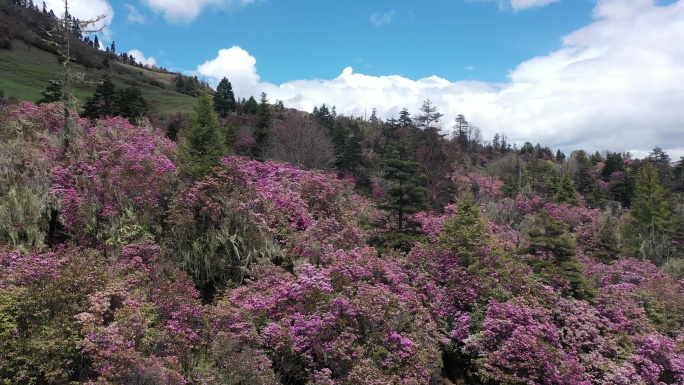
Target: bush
pixel 674 267
pixel 6 43
pixel 40 294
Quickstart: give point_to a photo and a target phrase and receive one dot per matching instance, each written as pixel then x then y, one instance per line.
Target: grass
pixel 26 71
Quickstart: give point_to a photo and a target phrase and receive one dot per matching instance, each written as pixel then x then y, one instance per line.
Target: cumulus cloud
pixel 134 15
pixel 140 58
pixel 617 83
pixel 380 19
pixel 87 10
pixel 188 10
pixel 238 66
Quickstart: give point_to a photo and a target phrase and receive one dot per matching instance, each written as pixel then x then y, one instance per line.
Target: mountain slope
pixel 27 66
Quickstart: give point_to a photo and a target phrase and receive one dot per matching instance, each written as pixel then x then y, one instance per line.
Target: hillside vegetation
pixel 246 243
pixel 128 258
pixel 25 72
pixel 28 62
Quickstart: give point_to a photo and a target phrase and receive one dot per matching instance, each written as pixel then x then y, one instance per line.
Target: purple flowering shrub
pixel 261 273
pixel 114 172
pixel 354 318
pixel 39 295
pixel 143 326
pixel 247 212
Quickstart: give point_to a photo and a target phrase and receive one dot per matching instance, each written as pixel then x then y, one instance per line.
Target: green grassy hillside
pixel 25 72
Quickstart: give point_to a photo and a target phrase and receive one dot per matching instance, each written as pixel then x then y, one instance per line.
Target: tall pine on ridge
pixel 204 145
pixel 224 98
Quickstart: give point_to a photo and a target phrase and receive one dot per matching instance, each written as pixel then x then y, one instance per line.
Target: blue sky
pixel 591 74
pixel 318 39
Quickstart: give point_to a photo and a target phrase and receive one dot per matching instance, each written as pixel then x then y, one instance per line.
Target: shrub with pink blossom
pixel 354 314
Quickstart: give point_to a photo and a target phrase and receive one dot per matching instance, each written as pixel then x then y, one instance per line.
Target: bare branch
pixel 301 142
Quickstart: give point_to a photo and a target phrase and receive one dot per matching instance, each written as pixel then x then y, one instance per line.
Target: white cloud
pixel 134 15
pixel 188 10
pixel 380 19
pixel 238 66
pixel 140 58
pixel 87 10
pixel 521 5
pixel 617 83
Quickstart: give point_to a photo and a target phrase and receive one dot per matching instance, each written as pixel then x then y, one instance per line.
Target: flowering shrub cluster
pixel 246 211
pixel 354 319
pixel 143 325
pixel 114 172
pixel 261 273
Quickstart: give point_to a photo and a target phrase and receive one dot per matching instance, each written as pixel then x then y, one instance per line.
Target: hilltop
pixel 28 63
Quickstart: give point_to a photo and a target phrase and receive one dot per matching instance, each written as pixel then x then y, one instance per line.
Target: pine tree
pixel 323 116
pixel 650 209
pixel 231 135
pixel 560 157
pixel 405 120
pixel 406 194
pixel 131 104
pixel 461 131
pixel 662 163
pixel 465 232
pixel 262 128
pixel 204 144
pixel 551 242
pixel 52 93
pixel 103 102
pixel 251 107
pixel 582 176
pixel 224 98
pixel 429 117
pixel 565 191
pixel 496 144
pixel 678 175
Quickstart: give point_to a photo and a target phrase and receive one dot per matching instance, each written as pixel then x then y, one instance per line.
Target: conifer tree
pixel 405 120
pixel 662 163
pixel 461 131
pixel 231 135
pixel 52 93
pixel 103 102
pixel 262 128
pixel 565 191
pixel 251 107
pixel 131 104
pixel 650 209
pixel 582 176
pixel 551 242
pixel 429 117
pixel 465 232
pixel 496 144
pixel 204 144
pixel 406 194
pixel 224 98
